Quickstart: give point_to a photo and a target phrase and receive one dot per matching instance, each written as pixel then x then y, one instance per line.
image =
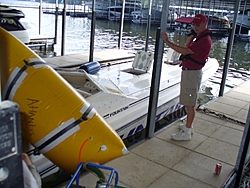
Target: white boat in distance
pixel 120 92
pixel 12 20
pixel 243 22
pixel 101 8
pixel 114 12
pixel 141 16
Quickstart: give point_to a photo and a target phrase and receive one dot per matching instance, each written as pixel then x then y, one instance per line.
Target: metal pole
pixel 242 16
pixel 200 6
pixel 0 85
pixel 40 16
pixel 240 163
pixel 56 22
pixel 148 24
pixel 155 82
pixel 92 35
pixel 63 28
pixel 74 7
pixel 229 49
pixel 121 25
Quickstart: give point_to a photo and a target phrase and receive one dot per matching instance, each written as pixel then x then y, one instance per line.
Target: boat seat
pixel 172 57
pixel 141 64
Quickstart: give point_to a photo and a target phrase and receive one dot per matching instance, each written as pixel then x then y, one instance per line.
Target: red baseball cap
pixel 199 18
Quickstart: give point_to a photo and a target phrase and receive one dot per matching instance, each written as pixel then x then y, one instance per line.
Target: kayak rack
pixel 95 168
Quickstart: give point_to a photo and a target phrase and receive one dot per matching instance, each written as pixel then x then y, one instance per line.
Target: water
pixel 106 37
pixel 107 32
pixel 134 38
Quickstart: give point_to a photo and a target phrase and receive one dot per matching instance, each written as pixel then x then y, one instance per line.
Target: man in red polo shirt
pixel 194 56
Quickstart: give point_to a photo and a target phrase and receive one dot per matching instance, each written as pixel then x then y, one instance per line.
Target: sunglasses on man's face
pixel 196 25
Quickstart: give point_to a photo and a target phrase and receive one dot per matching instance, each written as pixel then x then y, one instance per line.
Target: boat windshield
pixel 11 24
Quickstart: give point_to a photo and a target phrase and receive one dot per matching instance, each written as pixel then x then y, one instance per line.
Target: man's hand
pixel 177 48
pixel 191 33
pixel 26 159
pixel 164 37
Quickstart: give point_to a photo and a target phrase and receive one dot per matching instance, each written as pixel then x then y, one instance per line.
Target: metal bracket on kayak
pixel 95 168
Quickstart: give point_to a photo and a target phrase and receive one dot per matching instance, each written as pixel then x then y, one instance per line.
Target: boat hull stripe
pixel 17 77
pixel 61 133
pixel 88 110
pixel 58 138
pixel 13 84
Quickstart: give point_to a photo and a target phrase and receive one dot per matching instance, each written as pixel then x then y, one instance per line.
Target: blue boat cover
pixel 91 67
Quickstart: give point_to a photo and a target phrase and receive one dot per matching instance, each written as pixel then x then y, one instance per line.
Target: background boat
pixel 141 16
pixel 101 8
pixel 243 21
pixel 114 12
pixel 13 21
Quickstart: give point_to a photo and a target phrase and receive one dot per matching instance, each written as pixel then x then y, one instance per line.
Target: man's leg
pixel 185 133
pixel 190 115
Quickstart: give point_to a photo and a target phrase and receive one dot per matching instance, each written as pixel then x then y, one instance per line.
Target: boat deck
pixel 104 56
pixel 162 162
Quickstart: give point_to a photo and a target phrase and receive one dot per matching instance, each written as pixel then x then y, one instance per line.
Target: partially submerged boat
pixel 120 92
pixel 12 20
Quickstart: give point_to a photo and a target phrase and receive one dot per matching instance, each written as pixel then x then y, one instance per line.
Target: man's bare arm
pixel 177 48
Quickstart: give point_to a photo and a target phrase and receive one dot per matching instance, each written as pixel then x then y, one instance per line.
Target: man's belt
pixel 183 68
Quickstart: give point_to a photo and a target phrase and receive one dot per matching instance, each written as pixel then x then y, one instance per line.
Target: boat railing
pixel 84 93
pixel 116 85
pixel 96 169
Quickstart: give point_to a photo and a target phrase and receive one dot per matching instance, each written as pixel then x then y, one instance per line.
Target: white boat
pixel 218 22
pixel 13 21
pixel 114 12
pixel 120 92
pixel 101 8
pixel 243 22
pixel 141 16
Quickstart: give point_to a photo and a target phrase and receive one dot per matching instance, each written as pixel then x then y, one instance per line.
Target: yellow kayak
pixel 55 118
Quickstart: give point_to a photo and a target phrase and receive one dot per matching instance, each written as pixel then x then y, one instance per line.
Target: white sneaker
pixel 182 135
pixel 181 126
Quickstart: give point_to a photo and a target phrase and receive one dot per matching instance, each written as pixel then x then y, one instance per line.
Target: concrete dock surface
pixel 161 162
